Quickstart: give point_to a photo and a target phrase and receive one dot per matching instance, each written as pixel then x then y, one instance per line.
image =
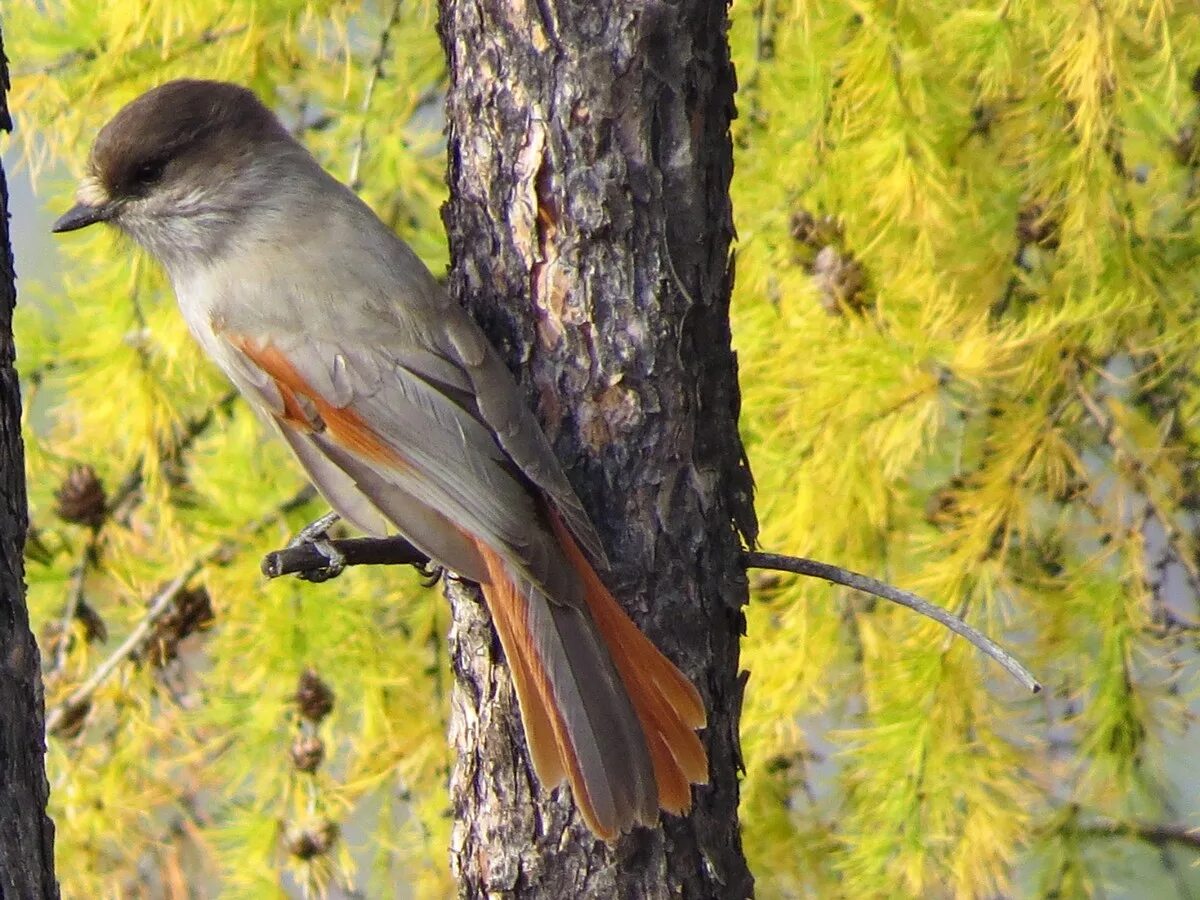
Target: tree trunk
pixel 589 227
pixel 26 833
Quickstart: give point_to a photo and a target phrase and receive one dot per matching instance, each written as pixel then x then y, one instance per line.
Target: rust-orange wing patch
pixel 306 409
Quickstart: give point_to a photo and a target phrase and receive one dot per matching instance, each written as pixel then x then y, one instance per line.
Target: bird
pixel 404 417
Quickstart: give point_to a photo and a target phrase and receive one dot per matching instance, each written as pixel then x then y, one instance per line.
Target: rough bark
pixel 590 230
pixel 26 833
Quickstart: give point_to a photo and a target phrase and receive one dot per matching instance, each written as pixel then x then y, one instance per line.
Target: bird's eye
pixel 149 172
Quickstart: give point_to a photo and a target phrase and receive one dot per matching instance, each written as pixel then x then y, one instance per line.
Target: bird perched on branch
pixel 405 419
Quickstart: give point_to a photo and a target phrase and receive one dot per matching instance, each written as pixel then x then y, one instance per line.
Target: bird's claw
pixel 316 535
pixel 431 573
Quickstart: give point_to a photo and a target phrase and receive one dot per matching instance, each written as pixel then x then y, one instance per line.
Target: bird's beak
pixel 81 215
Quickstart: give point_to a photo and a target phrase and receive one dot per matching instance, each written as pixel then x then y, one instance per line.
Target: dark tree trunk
pixel 26 833
pixel 590 226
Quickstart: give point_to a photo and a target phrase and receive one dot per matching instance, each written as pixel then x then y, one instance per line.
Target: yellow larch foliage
pixel 966 316
pixel 186 761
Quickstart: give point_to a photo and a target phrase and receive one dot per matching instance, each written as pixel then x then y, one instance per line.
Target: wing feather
pixel 515 427
pixel 396 429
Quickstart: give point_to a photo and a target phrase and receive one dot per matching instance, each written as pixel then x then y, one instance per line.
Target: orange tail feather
pixel 545 731
pixel 668 705
pixel 529 679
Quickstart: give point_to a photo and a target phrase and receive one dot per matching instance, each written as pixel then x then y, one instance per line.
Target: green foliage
pixel 967 321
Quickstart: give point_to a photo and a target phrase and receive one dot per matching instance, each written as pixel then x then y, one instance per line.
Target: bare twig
pixel 385 37
pixel 869 585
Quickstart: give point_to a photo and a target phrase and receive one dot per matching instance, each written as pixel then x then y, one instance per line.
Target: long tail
pixel 601 706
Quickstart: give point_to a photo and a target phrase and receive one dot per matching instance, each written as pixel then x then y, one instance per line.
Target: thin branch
pixel 1168 624
pixel 398 551
pixel 74 598
pixel 392 551
pixel 1152 833
pixel 872 586
pixel 1136 470
pixel 160 605
pixel 385 37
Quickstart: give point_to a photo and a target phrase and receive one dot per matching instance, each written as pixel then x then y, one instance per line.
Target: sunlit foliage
pixel 184 764
pixel 967 317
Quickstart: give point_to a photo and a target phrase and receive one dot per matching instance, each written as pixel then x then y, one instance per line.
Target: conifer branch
pixel 1136 470
pixel 206 38
pixel 398 551
pixel 161 604
pixel 192 430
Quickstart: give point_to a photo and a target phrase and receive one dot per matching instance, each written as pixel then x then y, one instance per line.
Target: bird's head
pixel 182 167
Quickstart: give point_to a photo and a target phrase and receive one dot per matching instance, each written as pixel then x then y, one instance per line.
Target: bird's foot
pixel 316 535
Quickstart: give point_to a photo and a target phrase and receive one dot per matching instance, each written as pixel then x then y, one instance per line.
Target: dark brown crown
pixel 174 124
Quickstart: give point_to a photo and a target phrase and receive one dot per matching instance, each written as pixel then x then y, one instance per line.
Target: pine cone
pixel 94 629
pixel 815 232
pixel 72 722
pixel 81 498
pixel 313 696
pixel 313 840
pixel 1186 147
pixel 841 281
pixel 307 752
pixel 943 509
pixel 191 612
